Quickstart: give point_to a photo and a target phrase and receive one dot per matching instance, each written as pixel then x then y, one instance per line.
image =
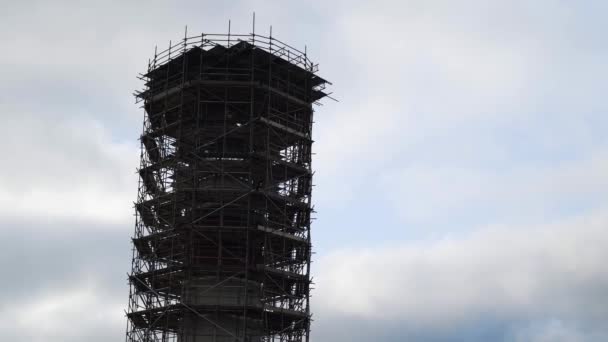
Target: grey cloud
pixel 42 258
pixel 63 281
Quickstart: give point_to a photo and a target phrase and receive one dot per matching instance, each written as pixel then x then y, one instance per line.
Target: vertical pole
pixel 200 69
pixel 251 180
pixel 228 33
pixel 155 55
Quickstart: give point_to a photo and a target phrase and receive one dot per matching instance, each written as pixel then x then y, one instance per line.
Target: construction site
pixel 222 243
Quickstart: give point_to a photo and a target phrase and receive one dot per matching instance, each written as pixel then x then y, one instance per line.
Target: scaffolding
pixel 222 242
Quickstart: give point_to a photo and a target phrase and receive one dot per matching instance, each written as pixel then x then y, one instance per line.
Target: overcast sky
pixel 461 181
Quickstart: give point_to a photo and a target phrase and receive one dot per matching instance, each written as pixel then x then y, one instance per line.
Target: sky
pixel 461 179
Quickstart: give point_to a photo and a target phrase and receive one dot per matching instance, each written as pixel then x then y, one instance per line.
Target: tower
pixel 222 236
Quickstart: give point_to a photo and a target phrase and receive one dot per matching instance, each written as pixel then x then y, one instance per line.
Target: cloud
pixel 423 75
pixel 75 314
pixel 460 191
pixel 548 272
pixel 63 281
pixel 485 118
pixel 65 167
pixel 557 331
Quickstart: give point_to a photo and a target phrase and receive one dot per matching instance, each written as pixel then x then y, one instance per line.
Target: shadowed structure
pixel 222 236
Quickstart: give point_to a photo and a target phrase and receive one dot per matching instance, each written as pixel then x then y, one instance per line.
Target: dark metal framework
pixel 222 236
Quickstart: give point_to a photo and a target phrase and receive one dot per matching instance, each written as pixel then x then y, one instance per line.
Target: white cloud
pixel 501 272
pixel 418 72
pixel 65 168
